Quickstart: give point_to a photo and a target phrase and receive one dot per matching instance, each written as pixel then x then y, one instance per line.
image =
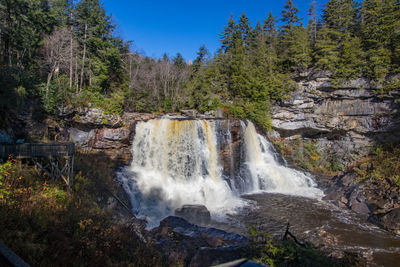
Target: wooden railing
pixel 37 150
pixel 56 160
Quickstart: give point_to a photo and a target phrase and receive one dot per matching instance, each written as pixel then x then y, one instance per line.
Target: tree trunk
pixel 76 75
pixel 83 57
pixel 49 76
pixel 71 62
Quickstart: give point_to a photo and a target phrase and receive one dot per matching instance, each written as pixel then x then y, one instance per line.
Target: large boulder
pixel 391 221
pixel 194 213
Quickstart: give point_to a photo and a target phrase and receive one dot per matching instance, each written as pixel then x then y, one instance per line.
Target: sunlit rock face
pixel 346 119
pixel 204 162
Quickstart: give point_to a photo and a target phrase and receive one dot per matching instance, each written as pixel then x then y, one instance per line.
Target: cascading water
pixel 176 162
pixel 264 173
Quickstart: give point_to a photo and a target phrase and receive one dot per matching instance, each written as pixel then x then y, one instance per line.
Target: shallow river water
pixel 323 224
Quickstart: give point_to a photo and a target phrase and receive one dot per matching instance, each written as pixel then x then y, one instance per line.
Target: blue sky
pixel 175 26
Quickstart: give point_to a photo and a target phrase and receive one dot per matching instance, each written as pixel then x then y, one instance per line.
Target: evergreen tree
pixel 201 58
pixel 255 37
pixel 340 15
pixel 312 22
pixel 269 28
pixel 226 37
pixel 352 59
pixel 326 49
pixel 245 28
pixel 237 72
pixel 337 43
pixel 289 15
pixel 295 47
pixel 376 37
pixel 179 61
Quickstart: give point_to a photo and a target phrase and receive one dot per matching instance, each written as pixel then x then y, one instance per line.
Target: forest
pixel 66 54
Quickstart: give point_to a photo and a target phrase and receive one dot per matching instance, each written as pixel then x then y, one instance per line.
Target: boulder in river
pixel 391 220
pixel 194 213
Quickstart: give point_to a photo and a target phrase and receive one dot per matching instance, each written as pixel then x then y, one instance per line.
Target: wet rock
pixel 329 239
pixel 189 112
pixel 194 213
pixel 132 117
pixel 391 221
pixel 180 241
pixel 360 207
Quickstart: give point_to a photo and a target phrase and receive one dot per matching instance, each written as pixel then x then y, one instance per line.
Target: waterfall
pixel 266 174
pixel 177 162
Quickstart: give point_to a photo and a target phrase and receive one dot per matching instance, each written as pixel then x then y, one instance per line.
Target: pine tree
pixel 256 34
pixel 376 39
pixel 340 15
pixel 337 42
pixel 226 37
pixel 352 60
pixel 237 73
pixel 295 47
pixel 326 49
pixel 289 15
pixel 201 58
pixel 312 22
pixel 269 28
pixel 179 61
pixel 245 28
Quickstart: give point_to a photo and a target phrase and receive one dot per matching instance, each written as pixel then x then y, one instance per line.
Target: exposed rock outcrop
pixel 343 122
pixel 378 200
pixel 111 134
pixel 347 119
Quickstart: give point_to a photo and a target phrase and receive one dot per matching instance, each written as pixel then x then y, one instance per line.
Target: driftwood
pixel 287 233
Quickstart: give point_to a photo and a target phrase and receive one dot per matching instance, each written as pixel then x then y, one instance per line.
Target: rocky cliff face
pixel 344 124
pixel 346 121
pixel 110 134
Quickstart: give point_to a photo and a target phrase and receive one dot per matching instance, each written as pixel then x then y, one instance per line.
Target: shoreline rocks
pixel 186 244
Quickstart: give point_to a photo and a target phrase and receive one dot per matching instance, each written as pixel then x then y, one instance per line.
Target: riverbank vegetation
pixel 67 53
pixel 48 225
pixel 288 251
pixel 383 164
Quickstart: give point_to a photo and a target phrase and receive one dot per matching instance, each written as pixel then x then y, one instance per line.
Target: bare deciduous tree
pixel 57 55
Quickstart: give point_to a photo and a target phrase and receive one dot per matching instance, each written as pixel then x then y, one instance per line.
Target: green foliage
pixel 47 226
pixel 257 112
pixel 53 97
pixel 305 154
pixel 385 164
